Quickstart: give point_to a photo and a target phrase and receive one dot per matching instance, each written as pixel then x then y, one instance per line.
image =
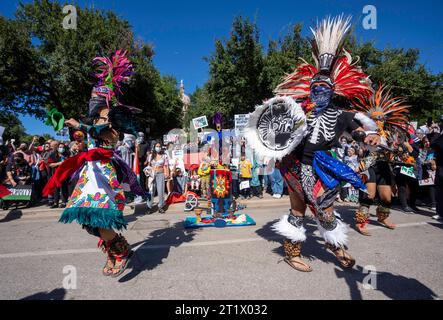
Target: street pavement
pixel 43 259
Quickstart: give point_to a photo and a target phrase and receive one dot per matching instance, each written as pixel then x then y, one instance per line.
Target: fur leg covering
pixel 337 236
pixel 290 231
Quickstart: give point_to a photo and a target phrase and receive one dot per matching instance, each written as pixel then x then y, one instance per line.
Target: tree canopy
pixel 44 65
pixel 242 74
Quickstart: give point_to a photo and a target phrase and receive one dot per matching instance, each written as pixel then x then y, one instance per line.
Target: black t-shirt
pixel 144 147
pixel 324 132
pixel 437 145
pixel 19 171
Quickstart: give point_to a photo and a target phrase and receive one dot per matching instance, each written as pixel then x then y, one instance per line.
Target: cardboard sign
pixel 64 132
pixel 429 181
pixel 244 185
pixel 170 138
pixel 241 121
pixel 200 122
pixel 408 171
pixel 177 154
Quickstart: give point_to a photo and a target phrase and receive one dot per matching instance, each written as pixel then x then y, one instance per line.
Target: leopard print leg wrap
pixel 362 215
pixel 383 213
pixel 118 247
pixel 292 249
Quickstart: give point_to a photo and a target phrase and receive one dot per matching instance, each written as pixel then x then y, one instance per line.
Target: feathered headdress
pixel 112 73
pixel 387 111
pixel 333 65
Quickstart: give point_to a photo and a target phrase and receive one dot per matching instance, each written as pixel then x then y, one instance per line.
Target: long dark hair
pixel 155 153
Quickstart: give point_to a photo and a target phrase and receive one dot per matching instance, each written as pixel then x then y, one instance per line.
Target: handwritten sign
pixel 241 121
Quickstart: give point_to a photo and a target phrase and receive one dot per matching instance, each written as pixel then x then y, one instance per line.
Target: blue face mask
pixel 321 97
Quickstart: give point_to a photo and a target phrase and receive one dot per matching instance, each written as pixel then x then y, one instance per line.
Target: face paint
pixel 321 97
pixel 97 129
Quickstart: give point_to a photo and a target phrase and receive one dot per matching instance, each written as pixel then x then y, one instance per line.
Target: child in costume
pixel 98 200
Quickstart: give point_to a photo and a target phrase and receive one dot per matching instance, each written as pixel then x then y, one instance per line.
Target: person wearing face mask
pixel 313 176
pixel 55 160
pixel 159 162
pixel 18 172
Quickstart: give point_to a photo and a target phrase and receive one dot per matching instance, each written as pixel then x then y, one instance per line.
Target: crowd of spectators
pixel 162 174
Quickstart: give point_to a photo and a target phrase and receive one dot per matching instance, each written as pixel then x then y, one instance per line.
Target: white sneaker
pixel 437 217
pixel 277 196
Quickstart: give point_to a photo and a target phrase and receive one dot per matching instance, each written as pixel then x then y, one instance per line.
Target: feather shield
pixel 276 128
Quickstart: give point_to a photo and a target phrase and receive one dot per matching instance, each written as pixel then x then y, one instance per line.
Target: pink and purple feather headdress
pixel 112 73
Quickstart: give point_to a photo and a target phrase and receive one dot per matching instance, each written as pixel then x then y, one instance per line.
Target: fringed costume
pixel 312 174
pixel 391 115
pixel 98 199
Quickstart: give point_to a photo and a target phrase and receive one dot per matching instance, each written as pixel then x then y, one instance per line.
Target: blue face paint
pixel 97 129
pixel 321 97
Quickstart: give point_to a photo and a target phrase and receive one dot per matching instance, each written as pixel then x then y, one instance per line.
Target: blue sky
pixel 183 32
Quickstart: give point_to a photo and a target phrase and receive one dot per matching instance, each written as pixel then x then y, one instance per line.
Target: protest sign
pixel 200 122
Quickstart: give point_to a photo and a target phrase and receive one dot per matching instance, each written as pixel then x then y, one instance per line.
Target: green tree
pixel 235 69
pixel 14 128
pixel 55 70
pixel 283 55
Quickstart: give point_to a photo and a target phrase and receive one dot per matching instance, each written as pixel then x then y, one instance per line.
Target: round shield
pixel 276 128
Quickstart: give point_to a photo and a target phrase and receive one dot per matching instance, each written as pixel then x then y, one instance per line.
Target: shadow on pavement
pixel 313 248
pixel 56 294
pixel 396 287
pixel 156 248
pixel 12 215
pixel 436 224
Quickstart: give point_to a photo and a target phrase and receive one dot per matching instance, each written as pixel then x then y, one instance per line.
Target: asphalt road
pixel 43 259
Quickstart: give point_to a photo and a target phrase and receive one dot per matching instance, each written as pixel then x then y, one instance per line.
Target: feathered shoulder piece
pixel 333 65
pixel 384 109
pixel 112 73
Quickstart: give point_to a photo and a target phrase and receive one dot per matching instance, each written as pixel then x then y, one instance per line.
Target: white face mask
pixel 61 150
pixel 158 149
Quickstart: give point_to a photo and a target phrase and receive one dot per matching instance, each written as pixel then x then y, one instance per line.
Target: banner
pixel 200 122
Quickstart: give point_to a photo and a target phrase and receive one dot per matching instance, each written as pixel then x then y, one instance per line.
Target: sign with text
pixel 241 121
pixel 200 122
pixel 429 181
pixel 408 171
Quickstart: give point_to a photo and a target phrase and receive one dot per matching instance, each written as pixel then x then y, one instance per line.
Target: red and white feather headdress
pixel 333 65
